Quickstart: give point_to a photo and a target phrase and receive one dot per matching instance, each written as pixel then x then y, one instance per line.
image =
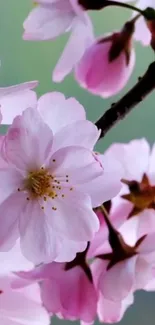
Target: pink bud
pixel 108 63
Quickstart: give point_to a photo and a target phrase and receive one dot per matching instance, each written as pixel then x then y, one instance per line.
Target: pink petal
pixel 50 292
pixel 16 307
pixel 81 34
pixel 11 208
pixel 79 133
pixel 124 272
pixel 69 250
pixel 129 230
pixel 143 273
pixel 80 302
pixel 58 112
pixel 46 22
pixel 142 32
pixel 151 171
pixel 39 242
pixel 11 180
pixel 134 167
pixel 111 311
pixel 106 186
pixel 151 284
pixel 14 260
pixel 23 142
pixel 146 222
pixel 79 163
pixel 147 246
pixel 3 163
pixel 99 243
pixel 74 217
pixel 15 99
pixel 15 89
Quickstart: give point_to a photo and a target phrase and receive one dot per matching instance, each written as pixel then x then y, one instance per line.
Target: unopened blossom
pixel 143 28
pixel 47 194
pixel 108 63
pixel 136 198
pixel 128 259
pixel 15 99
pixel 49 19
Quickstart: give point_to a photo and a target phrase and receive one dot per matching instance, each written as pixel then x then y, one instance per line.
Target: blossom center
pixel 39 184
pixel 142 195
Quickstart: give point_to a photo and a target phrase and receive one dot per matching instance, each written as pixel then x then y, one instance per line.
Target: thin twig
pixel 119 110
pixel 100 4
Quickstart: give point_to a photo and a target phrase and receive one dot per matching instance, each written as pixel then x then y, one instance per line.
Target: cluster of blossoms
pixel 72 221
pixel 102 65
pixel 77 227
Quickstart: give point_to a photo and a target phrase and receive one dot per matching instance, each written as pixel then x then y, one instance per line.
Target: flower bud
pixel 108 63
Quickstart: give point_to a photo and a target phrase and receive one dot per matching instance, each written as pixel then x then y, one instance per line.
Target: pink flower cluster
pixel 77 228
pixel 102 65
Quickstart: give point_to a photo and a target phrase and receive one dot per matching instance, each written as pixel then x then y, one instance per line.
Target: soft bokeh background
pixel 23 61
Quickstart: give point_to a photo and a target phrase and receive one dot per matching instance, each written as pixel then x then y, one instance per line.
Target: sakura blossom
pixel 50 19
pixel 40 195
pixel 85 301
pixel 66 290
pixel 136 198
pixel 107 64
pixel 128 259
pixel 77 226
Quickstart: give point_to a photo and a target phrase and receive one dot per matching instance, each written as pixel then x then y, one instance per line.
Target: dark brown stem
pixel 119 110
pixel 100 4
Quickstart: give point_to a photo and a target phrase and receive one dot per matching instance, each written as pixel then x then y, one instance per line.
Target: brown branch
pixel 100 4
pixel 119 110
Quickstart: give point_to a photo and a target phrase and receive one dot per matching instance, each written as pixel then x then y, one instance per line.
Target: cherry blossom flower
pixel 49 19
pixel 136 198
pixel 69 290
pixel 107 64
pixel 15 99
pixel 66 290
pixel 44 186
pixel 127 259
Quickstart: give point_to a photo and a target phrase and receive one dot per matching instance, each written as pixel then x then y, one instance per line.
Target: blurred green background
pixel 23 61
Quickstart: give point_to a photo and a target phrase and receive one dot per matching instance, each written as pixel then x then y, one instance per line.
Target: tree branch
pixel 100 4
pixel 119 110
